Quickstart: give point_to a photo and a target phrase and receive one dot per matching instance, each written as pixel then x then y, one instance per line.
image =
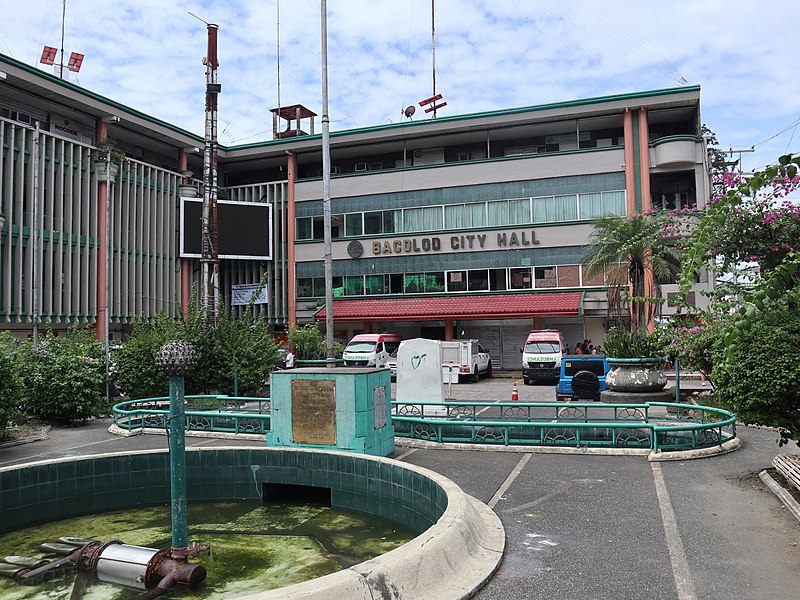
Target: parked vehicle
pixel 542 354
pixel 472 360
pixel 582 377
pixel 371 350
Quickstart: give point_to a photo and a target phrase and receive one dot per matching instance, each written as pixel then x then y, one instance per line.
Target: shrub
pixel 10 386
pixel 65 376
pixel 626 344
pixel 135 362
pixel 758 376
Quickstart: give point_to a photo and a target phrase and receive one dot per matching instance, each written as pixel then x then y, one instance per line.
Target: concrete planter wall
pixel 106 171
pixel 636 375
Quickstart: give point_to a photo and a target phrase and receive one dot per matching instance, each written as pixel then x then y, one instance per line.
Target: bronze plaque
pixel 314 411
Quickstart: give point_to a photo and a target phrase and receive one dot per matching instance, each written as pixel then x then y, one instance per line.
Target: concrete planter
pixel 106 171
pixel 636 375
pixel 188 190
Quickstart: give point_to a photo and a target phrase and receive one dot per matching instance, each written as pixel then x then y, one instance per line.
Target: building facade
pixel 472 225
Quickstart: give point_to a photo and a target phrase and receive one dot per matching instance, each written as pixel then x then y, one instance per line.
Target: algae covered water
pixel 254 547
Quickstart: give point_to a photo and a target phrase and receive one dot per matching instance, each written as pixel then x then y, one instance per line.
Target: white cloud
pixel 490 55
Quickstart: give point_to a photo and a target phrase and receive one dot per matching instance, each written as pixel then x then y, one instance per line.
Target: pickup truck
pixel 472 360
pixel 582 377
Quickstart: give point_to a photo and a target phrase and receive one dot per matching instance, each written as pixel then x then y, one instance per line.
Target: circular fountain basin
pixel 460 541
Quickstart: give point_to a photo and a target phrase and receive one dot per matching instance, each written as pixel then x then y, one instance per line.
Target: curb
pixel 250 437
pixel 725 448
pixel 784 496
pixel 43 434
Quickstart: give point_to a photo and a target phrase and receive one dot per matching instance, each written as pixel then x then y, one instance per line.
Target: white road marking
pixel 406 453
pixel 677 553
pixel 509 480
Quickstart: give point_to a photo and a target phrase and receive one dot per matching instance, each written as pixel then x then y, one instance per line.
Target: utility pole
pixel 330 357
pixel 209 260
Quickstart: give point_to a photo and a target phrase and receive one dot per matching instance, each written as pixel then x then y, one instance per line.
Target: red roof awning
pixel 510 306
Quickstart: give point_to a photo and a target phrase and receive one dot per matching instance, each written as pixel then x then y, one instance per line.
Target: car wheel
pixel 526 381
pixel 475 375
pixel 489 369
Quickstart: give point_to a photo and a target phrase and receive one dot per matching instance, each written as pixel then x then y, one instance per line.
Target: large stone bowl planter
pixel 636 375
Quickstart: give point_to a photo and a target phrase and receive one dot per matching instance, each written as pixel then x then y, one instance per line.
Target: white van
pixel 542 354
pixel 371 350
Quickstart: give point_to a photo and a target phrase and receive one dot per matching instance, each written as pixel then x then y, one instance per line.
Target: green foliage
pixel 10 384
pixel 308 342
pixel 65 377
pixel 135 362
pixel 758 379
pixel 694 345
pixel 624 250
pixel 627 344
pixel 233 345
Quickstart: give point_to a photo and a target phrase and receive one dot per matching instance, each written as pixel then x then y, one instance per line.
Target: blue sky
pixel 491 54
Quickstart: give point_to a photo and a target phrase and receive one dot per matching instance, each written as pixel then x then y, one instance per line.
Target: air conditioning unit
pixel 362 166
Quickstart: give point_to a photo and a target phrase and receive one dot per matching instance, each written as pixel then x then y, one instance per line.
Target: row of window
pixel 495 213
pixel 472 280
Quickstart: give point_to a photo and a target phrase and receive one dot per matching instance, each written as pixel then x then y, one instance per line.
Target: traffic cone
pixel 514 393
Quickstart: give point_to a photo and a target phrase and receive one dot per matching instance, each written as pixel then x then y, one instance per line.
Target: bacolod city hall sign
pixel 497 240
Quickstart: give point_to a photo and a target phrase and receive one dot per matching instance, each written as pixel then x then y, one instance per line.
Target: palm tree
pixel 632 253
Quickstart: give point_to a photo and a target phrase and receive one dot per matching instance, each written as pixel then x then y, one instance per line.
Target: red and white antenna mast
pixel 49 53
pixel 209 260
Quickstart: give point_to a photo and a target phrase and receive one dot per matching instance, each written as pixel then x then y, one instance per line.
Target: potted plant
pixel 105 169
pixel 636 361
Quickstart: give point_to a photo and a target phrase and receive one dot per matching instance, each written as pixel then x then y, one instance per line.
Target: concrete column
pixel 630 175
pixel 100 332
pixel 644 160
pixel 291 230
pixel 448 330
pixel 183 162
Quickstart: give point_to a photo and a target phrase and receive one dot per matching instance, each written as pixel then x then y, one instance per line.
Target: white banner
pixel 242 293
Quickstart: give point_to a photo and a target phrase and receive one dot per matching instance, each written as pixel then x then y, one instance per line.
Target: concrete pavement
pixel 599 527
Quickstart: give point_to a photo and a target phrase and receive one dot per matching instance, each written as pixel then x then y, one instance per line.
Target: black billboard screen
pixel 245 229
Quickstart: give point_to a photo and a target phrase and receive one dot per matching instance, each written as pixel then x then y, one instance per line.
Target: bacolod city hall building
pixel 461 226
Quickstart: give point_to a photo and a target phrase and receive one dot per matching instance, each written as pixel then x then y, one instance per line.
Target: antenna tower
pixel 209 260
pixel 49 53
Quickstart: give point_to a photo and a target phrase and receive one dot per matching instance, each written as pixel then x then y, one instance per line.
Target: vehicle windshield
pixel 542 348
pixel 360 347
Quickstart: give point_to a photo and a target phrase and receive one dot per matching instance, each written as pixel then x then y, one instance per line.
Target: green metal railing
pixel 657 426
pixel 216 413
pixel 580 425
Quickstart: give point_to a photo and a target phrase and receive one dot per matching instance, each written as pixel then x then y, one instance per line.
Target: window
pixel 553 209
pixel 376 284
pixel 354 285
pixel 521 278
pixel 457 281
pixel 392 221
pixel 305 287
pixel 478 280
pixel 354 224
pixel 304 228
pixel 373 222
pixel 427 218
pixel 545 277
pixel 497 279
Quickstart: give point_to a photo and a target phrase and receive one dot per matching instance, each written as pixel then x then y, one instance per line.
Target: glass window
pixel 434 282
pixel 519 211
pixel 354 224
pixel 305 287
pixel 553 209
pixel 497 279
pixel 432 218
pixel 304 230
pixel 338 287
pixel 396 283
pixel 412 219
pixel 376 284
pixel 499 213
pixel 392 221
pixel 319 228
pixel 454 216
pixel 354 285
pixel 614 203
pixel 475 214
pixel 591 205
pixel 373 222
pixel 414 283
pixel 521 278
pixel 545 277
pixel 457 281
pixel 478 280
pixel 319 287
pixel 337 227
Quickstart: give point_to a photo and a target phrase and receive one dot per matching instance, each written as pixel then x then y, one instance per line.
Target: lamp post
pixel 177 358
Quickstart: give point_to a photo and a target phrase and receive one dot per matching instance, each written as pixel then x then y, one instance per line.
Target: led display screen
pixel 244 229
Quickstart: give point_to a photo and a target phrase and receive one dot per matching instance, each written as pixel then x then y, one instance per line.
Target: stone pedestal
pixel 612 397
pixel 342 409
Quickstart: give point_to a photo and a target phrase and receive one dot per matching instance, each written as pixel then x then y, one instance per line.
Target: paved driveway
pixel 585 526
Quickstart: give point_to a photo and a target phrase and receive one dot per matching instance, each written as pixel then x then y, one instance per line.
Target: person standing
pixel 289 360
